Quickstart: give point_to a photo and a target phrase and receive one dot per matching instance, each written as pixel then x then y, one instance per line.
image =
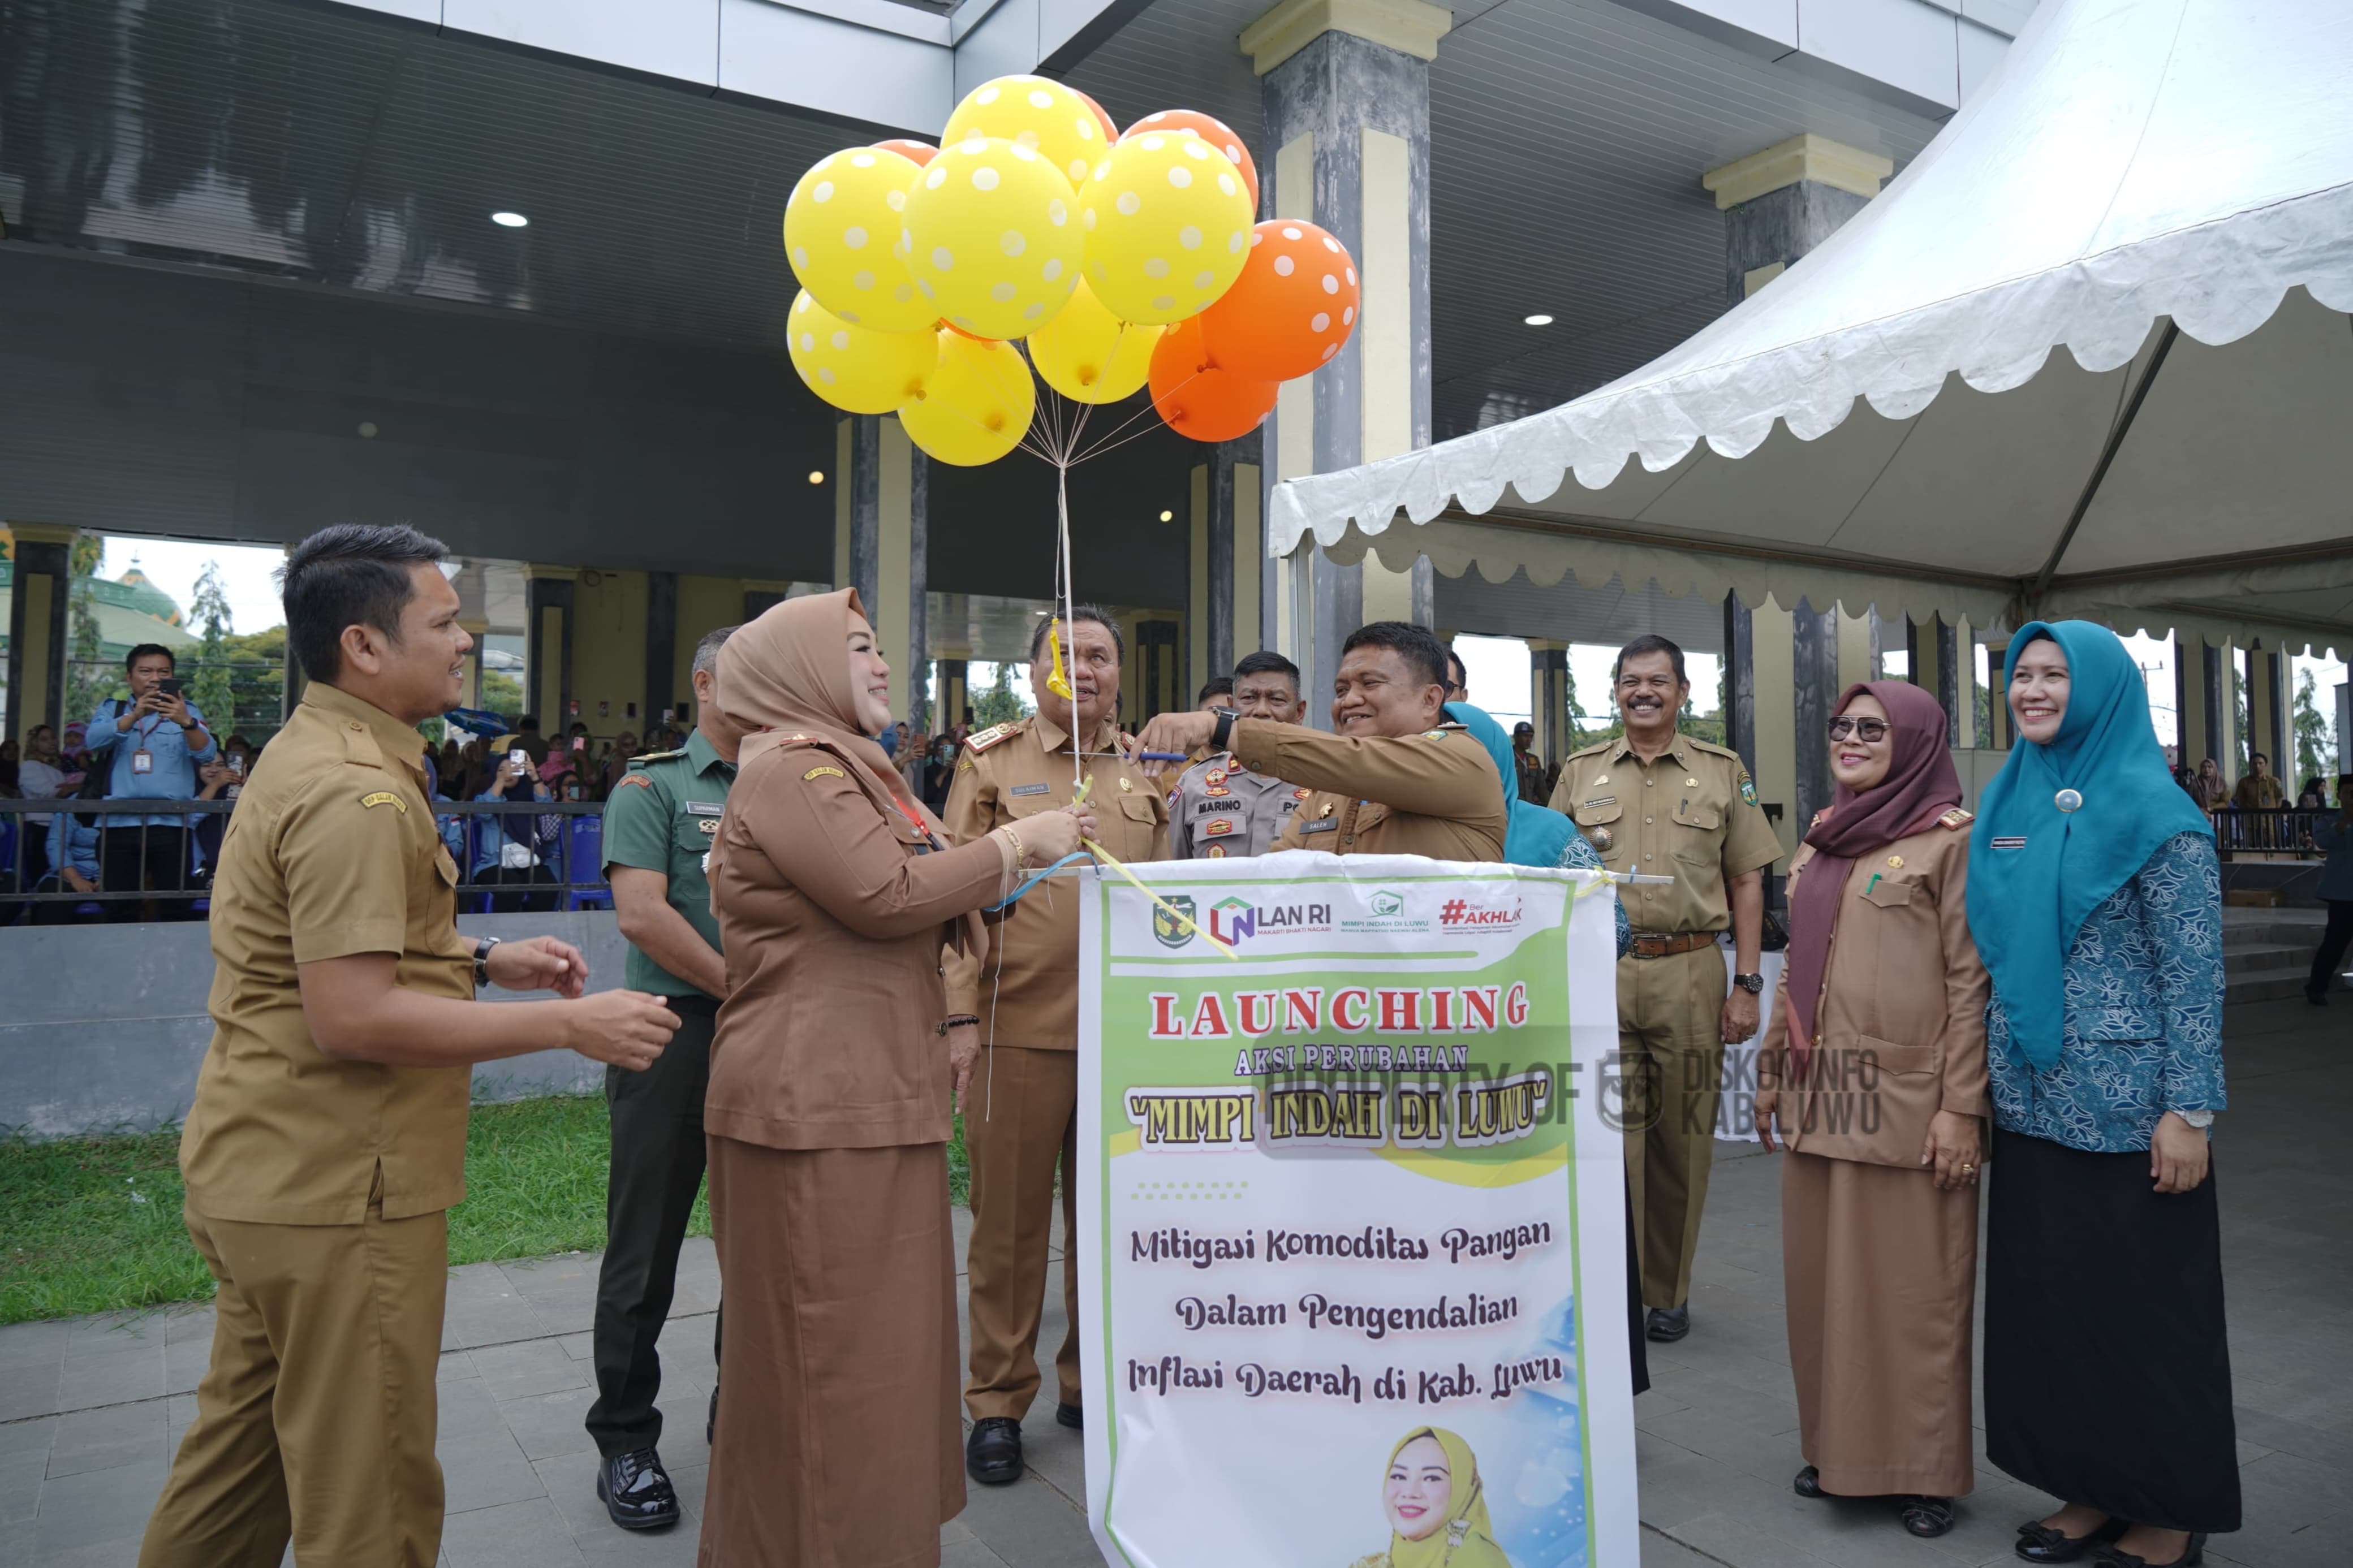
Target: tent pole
pixel 2115 444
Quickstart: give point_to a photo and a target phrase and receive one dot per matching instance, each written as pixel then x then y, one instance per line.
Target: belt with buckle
pixel 1654 944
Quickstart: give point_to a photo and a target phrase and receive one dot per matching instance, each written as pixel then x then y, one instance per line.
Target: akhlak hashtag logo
pixel 1451 913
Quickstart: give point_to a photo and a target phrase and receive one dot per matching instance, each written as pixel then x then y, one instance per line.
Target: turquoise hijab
pixel 2036 873
pixel 1537 835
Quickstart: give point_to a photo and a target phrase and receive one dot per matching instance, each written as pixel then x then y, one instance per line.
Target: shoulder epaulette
pixel 1594 749
pixel 1712 750
pixel 640 762
pixel 1958 819
pixel 990 736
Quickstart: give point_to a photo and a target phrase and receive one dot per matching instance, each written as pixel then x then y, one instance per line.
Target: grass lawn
pixel 92 1225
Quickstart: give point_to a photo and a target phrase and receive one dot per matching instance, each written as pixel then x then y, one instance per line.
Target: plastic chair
pixel 584 851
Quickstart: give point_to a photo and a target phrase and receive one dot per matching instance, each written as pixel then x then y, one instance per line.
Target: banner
pixel 1351 1227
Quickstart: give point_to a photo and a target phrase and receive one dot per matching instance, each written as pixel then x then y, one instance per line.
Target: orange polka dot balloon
pixel 916 152
pixel 1213 130
pixel 1196 399
pixel 1294 304
pixel 1103 118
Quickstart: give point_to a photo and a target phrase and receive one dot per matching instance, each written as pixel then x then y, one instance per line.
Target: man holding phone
pixel 153 742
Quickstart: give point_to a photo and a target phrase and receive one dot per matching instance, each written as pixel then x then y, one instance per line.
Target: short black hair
pixel 353 574
pixel 1094 613
pixel 1650 643
pixel 1418 645
pixel 1219 686
pixel 1458 674
pixel 1266 662
pixel 526 723
pixel 148 649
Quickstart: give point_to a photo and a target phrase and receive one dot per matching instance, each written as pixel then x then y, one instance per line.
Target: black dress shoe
pixel 2037 1542
pixel 710 1426
pixel 636 1490
pixel 1667 1324
pixel 1074 1416
pixel 992 1454
pixel 1809 1483
pixel 1927 1516
pixel 2191 1555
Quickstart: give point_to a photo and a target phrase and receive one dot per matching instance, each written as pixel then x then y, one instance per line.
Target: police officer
pixel 1658 802
pixel 327 1138
pixel 1020 1000
pixel 1220 807
pixel 659 827
pixel 1395 778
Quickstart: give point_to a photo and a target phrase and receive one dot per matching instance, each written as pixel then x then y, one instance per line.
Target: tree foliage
pixel 1001 704
pixel 209 680
pixel 2316 737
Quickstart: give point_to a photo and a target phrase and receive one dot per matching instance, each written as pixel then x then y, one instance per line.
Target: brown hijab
pixel 787 672
pixel 1920 787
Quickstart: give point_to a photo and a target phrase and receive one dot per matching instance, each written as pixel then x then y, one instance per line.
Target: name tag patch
pixel 1029 789
pixel 2010 843
pixel 385 797
pixel 1604 800
pixel 1320 825
pixel 718 808
pixel 1222 806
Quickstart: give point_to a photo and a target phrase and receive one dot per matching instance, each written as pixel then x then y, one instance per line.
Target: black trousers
pixel 2333 944
pixel 150 860
pixel 655 1172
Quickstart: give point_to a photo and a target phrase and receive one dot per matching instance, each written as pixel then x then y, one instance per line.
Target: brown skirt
pixel 1881 1273
pixel 840 1440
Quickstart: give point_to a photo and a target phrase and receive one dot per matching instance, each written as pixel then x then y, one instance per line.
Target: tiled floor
pixel 90 1409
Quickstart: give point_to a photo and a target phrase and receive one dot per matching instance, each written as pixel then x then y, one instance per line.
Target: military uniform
pixel 316 1187
pixel 662 817
pixel 1692 815
pixel 1434 794
pixel 1220 807
pixel 1021 1113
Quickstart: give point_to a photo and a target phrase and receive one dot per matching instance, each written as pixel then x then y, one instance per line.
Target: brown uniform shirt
pixel 833 907
pixel 1900 1028
pixel 1025 989
pixel 332 851
pixel 1435 794
pixel 1690 815
pixel 1220 807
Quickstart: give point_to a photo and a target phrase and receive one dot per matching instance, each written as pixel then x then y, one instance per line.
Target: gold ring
pixel 1969 1167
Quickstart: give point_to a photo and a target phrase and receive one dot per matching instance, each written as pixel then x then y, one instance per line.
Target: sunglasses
pixel 1869 731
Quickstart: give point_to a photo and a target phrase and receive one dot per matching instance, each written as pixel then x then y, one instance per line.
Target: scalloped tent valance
pixel 2163 189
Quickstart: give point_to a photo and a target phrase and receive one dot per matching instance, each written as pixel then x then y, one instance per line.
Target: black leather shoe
pixel 2316 995
pixel 2191 1555
pixel 1927 1516
pixel 1074 1416
pixel 710 1426
pixel 2037 1542
pixel 1809 1483
pixel 992 1454
pixel 1667 1324
pixel 636 1490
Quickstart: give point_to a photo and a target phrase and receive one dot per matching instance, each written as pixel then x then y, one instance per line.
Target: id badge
pixel 142 760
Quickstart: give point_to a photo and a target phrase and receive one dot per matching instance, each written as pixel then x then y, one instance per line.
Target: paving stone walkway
pixel 90 1409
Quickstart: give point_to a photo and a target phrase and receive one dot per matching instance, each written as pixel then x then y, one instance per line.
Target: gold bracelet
pixel 1020 855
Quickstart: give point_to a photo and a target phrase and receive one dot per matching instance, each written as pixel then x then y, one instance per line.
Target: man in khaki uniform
pixel 1219 807
pixel 1660 803
pixel 328 1133
pixel 1396 778
pixel 1020 1000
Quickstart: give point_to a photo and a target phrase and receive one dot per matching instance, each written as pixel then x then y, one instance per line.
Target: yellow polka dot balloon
pixel 1044 116
pixel 977 405
pixel 843 225
pixel 1167 224
pixel 856 368
pixel 992 237
pixel 1090 355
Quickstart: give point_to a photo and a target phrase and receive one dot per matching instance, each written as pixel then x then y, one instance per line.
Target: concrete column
pixel 1221 621
pixel 2267 710
pixel 1814 676
pixel 1931 652
pixel 1740 681
pixel 1781 202
pixel 2001 720
pixel 1347 114
pixel 955 691
pixel 1773 644
pixel 2206 698
pixel 40 607
pixel 890 484
pixel 661 641
pixel 1548 699
pixel 547 594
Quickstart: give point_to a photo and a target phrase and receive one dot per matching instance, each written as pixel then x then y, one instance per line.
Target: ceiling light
pixel 1167 517
pixel 509 220
pixel 1538 321
pixel 817 475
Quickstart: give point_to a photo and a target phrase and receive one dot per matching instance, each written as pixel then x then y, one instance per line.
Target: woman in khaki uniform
pixel 829 1107
pixel 1875 1067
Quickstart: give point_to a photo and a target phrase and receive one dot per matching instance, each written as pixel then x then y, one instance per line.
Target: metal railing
pixel 2288 831
pixel 563 841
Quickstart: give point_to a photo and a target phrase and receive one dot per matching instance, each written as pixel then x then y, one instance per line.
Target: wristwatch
pixel 482 946
pixel 1752 983
pixel 1220 733
pixel 2197 1118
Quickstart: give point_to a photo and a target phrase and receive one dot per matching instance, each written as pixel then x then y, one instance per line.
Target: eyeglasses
pixel 1869 731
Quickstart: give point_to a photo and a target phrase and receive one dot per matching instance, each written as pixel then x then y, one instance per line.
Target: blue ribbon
pixel 1015 896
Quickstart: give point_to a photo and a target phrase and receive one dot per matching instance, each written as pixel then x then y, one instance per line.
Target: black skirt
pixel 2107 1376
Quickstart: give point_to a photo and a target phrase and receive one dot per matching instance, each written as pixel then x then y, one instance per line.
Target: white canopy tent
pixel 2162 187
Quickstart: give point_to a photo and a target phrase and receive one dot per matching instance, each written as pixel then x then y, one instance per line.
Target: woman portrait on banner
pixel 1436 1506
pixel 2095 898
pixel 838 1435
pixel 1874 1067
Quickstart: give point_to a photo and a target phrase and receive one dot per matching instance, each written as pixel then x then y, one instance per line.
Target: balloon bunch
pixel 1121 260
